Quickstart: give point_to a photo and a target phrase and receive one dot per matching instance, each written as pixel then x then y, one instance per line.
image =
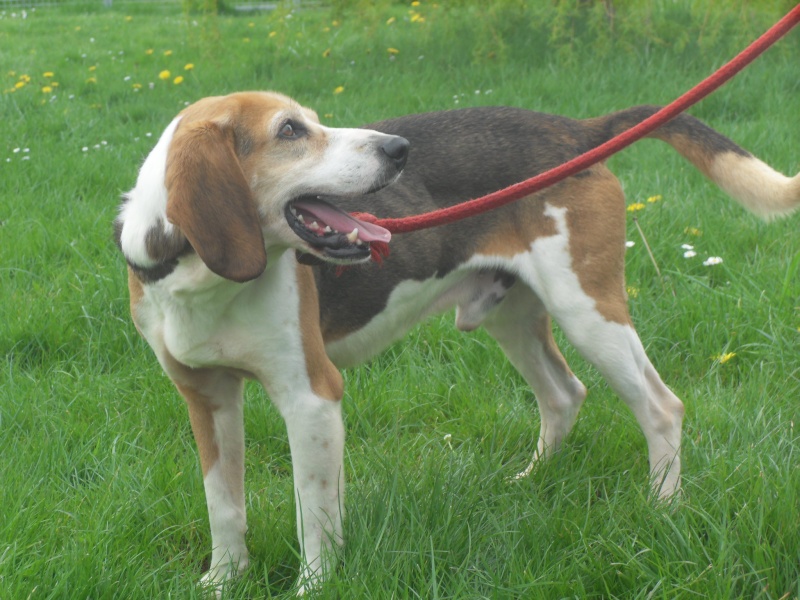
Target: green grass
pixel 100 490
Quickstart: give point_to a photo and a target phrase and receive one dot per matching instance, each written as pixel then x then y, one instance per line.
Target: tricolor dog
pixel 238 226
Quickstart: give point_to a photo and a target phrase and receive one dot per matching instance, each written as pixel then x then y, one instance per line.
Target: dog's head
pixel 234 174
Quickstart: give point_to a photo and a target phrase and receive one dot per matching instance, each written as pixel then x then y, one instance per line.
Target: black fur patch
pixel 166 249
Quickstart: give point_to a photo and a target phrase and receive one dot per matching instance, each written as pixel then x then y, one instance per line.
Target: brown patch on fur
pixel 695 153
pixel 326 381
pixel 197 388
pixel 543 331
pixel 136 292
pixel 516 229
pixel 210 201
pixel 201 416
pixel 596 222
pixel 595 214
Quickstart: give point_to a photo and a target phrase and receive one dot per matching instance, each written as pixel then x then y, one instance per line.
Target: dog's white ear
pixel 209 200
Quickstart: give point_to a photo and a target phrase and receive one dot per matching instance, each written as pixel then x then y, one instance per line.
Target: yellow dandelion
pixel 19 85
pixel 128 19
pixel 390 20
pixel 137 86
pixel 338 89
pixel 633 292
pixel 93 68
pixel 25 78
pixel 393 51
pixel 12 73
pixel 167 52
pixel 164 74
pixel 653 199
pixel 188 67
pixel 635 206
pixel 693 231
pixel 417 18
pixel 47 74
pixel 335 23
pixel 272 34
pixel 54 84
pixel 723 358
pixel 326 53
pixel 178 80
pixel 415 3
pixel 46 89
pixel 149 51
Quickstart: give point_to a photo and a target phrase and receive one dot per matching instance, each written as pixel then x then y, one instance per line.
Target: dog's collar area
pixel 330 231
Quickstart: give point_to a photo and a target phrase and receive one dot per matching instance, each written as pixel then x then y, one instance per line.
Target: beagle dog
pixel 238 226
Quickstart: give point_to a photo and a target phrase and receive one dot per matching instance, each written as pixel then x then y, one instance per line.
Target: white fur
pixel 755 185
pixel 147 202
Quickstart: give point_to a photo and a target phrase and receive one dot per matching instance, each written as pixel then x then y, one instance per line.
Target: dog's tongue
pixel 341 221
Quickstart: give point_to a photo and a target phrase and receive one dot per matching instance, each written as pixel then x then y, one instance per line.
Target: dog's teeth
pixel 301 219
pixel 352 236
pixel 313 225
pixel 328 229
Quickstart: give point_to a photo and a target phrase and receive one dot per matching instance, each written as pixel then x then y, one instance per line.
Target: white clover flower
pixel 687 246
pixel 689 254
pixel 630 244
pixel 712 260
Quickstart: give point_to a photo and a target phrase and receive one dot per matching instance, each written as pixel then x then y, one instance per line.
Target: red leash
pixel 602 152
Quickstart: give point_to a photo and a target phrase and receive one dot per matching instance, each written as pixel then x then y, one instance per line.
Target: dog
pixel 238 228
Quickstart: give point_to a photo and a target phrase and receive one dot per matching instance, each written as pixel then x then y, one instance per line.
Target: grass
pixel 101 492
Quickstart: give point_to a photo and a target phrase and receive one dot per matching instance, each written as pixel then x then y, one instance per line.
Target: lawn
pixel 100 491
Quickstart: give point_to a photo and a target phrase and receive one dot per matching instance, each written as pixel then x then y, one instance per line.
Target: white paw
pixel 216 577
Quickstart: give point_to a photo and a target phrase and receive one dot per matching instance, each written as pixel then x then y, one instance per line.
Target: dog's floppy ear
pixel 209 200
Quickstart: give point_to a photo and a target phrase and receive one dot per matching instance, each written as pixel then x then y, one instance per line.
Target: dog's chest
pixel 241 326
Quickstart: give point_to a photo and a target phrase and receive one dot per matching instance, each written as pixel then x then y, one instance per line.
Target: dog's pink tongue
pixel 342 222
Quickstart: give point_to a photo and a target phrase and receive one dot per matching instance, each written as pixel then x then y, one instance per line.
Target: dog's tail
pixel 751 182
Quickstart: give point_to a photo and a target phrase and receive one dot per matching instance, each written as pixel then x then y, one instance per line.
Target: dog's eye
pixel 290 130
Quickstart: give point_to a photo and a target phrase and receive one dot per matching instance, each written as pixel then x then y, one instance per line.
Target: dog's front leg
pixel 215 402
pixel 316 439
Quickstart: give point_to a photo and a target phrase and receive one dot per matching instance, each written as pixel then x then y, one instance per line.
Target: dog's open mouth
pixel 331 232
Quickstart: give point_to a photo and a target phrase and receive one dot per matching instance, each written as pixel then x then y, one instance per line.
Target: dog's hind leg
pixel 617 352
pixel 580 280
pixel 522 328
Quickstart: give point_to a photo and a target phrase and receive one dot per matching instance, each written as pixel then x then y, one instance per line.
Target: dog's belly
pixel 475 290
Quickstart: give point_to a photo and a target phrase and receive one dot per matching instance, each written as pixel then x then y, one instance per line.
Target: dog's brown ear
pixel 209 200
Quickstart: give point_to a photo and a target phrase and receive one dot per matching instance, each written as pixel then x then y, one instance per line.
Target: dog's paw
pixel 214 580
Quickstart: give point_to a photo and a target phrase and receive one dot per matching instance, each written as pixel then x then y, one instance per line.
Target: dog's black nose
pixel 397 149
